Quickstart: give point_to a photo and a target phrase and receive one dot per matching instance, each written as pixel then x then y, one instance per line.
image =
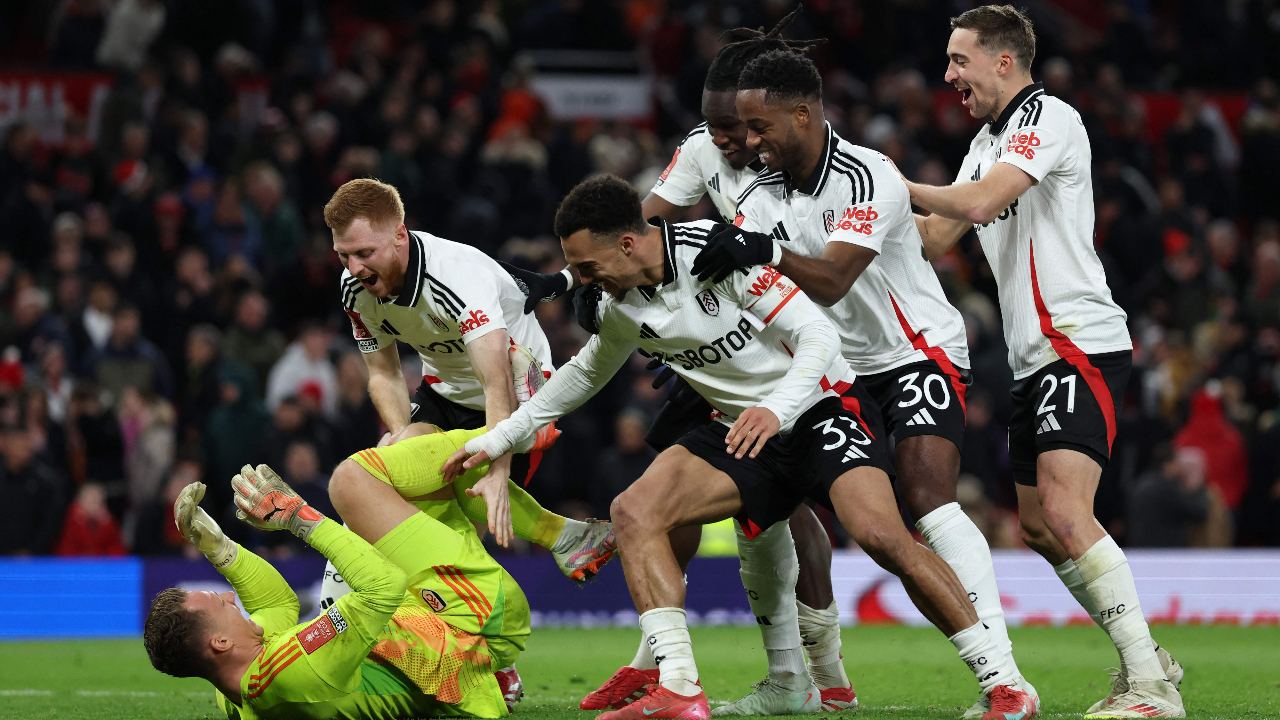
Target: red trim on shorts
pixel 1068 351
pixel 431 379
pixel 852 405
pixel 935 354
pixel 750 529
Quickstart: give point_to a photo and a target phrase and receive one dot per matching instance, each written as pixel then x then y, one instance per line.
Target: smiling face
pixel 728 132
pixel 612 265
pixel 377 255
pixel 979 75
pixel 773 129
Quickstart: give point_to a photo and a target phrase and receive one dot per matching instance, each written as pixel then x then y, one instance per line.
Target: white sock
pixel 953 536
pixel 1069 574
pixel 644 656
pixel 1109 581
pixel 667 635
pixel 820 634
pixel 332 587
pixel 769 569
pixel 569 535
pixel 989 664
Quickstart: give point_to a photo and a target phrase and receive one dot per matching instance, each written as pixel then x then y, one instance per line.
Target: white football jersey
pixel 697 168
pixel 732 341
pixel 896 312
pixel 1053 292
pixel 453 294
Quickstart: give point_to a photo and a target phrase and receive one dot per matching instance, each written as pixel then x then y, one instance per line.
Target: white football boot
pixel 1144 699
pixel 1120 681
pixel 769 698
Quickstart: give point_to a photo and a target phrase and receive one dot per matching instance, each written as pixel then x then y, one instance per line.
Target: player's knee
pixel 629 513
pixel 1036 535
pixel 885 545
pixel 344 485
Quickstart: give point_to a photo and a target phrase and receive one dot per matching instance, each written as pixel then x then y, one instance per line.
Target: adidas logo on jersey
pixel 1049 423
pixel 647 332
pixel 714 182
pixel 922 417
pixel 779 232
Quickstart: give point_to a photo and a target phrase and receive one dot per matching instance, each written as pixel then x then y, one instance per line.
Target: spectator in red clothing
pixel 1208 429
pixel 89 528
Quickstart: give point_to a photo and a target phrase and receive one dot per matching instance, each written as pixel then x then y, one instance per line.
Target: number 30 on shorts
pixel 927 393
pixel 828 428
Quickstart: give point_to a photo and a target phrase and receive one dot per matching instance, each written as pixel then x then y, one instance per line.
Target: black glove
pixel 663 376
pixel 729 248
pixel 585 302
pixel 536 286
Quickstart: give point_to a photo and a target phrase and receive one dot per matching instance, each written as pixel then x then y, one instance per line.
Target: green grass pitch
pixel 898 672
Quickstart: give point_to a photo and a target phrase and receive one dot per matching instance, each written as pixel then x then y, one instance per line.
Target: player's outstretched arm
pixel 654 204
pixel 489 356
pixel 939 234
pixel 261 589
pixel 573 384
pixel 975 202
pixel 387 388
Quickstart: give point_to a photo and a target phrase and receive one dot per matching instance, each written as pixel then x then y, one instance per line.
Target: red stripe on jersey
pixel 265 665
pixel 442 571
pixel 279 669
pixel 935 354
pixel 461 576
pixel 1068 351
pixel 781 305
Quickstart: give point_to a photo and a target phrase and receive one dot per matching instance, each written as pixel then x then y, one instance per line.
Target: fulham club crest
pixel 829 220
pixel 709 303
pixel 433 600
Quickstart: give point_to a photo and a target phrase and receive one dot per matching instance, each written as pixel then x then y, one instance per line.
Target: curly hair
pixel 173 636
pixel 606 206
pixel 1001 28
pixel 745 44
pixel 784 75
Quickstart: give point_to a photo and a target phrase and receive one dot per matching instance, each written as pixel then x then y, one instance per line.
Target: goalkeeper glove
pixel 730 248
pixel 268 503
pixel 200 530
pixel 538 287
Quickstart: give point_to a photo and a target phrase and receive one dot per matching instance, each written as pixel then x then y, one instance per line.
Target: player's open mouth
pixel 965 94
pixel 370 281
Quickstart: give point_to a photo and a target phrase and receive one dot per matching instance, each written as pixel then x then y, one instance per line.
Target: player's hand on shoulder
pixel 748 435
pixel 730 248
pixel 586 303
pixel 536 286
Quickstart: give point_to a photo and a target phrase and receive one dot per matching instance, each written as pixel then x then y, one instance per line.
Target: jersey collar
pixel 668 257
pixel 415 274
pixel 1023 95
pixel 818 179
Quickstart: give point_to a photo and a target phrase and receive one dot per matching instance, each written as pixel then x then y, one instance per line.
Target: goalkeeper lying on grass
pixel 430 621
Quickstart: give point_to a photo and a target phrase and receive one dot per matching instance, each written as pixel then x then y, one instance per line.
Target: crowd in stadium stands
pixel 169 293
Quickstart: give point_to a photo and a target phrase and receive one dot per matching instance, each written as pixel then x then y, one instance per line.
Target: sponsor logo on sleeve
pixel 339 622
pixel 856 219
pixel 709 303
pixel 315 635
pixel 357 324
pixel 434 600
pixel 670 166
pixel 765 280
pixel 1024 144
pixel 475 320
